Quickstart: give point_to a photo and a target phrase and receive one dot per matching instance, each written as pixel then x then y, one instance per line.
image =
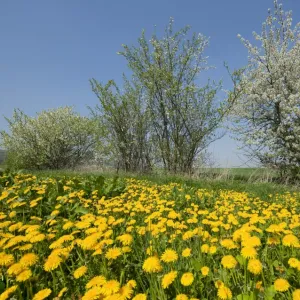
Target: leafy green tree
pixel 54 139
pixel 184 116
pixel 124 119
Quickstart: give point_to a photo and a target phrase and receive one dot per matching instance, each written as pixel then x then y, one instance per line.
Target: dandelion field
pixel 96 238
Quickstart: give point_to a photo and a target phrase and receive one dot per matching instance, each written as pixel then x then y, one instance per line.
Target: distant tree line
pixel 162 117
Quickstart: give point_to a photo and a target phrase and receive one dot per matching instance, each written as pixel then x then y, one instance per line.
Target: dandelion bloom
pixel 62 291
pixel 152 265
pixel 28 259
pixel 125 292
pixel 24 275
pixel 187 279
pixel 290 240
pixel 52 262
pixel 293 262
pixel 205 248
pixel 8 292
pixel 140 297
pixel 113 253
pixel 258 285
pixel 181 297
pixel 15 269
pixel 254 266
pixel 168 279
pixel 186 252
pixel 96 281
pixel 205 271
pixel 42 294
pixel 110 287
pixel 125 239
pixel 224 293
pixel 93 293
pixel 281 285
pixel 131 283
pixel 169 256
pixel 228 262
pixel 248 252
pixel 6 259
pixel 80 272
pixel 296 294
pixel 219 284
pixel 228 244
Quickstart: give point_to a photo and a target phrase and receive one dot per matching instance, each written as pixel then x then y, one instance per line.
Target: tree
pixel 54 139
pixel 184 116
pixel 267 114
pixel 124 118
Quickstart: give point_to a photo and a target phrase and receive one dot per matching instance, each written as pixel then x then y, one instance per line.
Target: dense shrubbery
pixel 54 139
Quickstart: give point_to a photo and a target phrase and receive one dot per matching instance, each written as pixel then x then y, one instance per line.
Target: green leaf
pixel 81 210
pixel 270 293
pixel 241 260
pixel 196 265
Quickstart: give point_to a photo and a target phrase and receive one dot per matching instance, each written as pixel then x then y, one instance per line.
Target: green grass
pixel 256 182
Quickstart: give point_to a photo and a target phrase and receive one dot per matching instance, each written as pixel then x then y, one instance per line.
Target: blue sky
pixel 50 49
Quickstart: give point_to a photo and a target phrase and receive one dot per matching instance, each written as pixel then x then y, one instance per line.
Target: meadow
pixel 93 237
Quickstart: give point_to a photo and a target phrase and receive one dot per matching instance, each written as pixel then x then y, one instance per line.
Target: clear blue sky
pixel 50 49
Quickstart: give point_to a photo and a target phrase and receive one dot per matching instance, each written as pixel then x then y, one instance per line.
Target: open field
pixel 90 237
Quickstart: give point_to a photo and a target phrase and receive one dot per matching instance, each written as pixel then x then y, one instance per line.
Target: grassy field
pixel 70 235
pixel 255 181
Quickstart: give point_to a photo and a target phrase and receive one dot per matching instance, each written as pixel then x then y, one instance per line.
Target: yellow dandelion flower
pixel 92 294
pixel 293 262
pixel 169 255
pixel 152 265
pixel 212 249
pixel 205 271
pixel 140 297
pixel 131 283
pixel 228 244
pixel 43 294
pixel 110 287
pixel 15 269
pixel 281 285
pixel 248 252
pixel 224 293
pixel 24 275
pixel 113 253
pixel 219 284
pixel 79 272
pixel 296 294
pixel 228 262
pixel 6 294
pixel 62 291
pixel 168 279
pixel 290 240
pixel 25 247
pixel 28 259
pixel 181 297
pixel 96 281
pixel 52 262
pixel 6 259
pixel 205 248
pixel 125 292
pixel 186 252
pixel 125 239
pixel 254 266
pixel 187 279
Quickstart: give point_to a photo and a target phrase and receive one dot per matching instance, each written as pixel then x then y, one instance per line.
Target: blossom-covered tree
pixel 267 113
pixel 54 139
